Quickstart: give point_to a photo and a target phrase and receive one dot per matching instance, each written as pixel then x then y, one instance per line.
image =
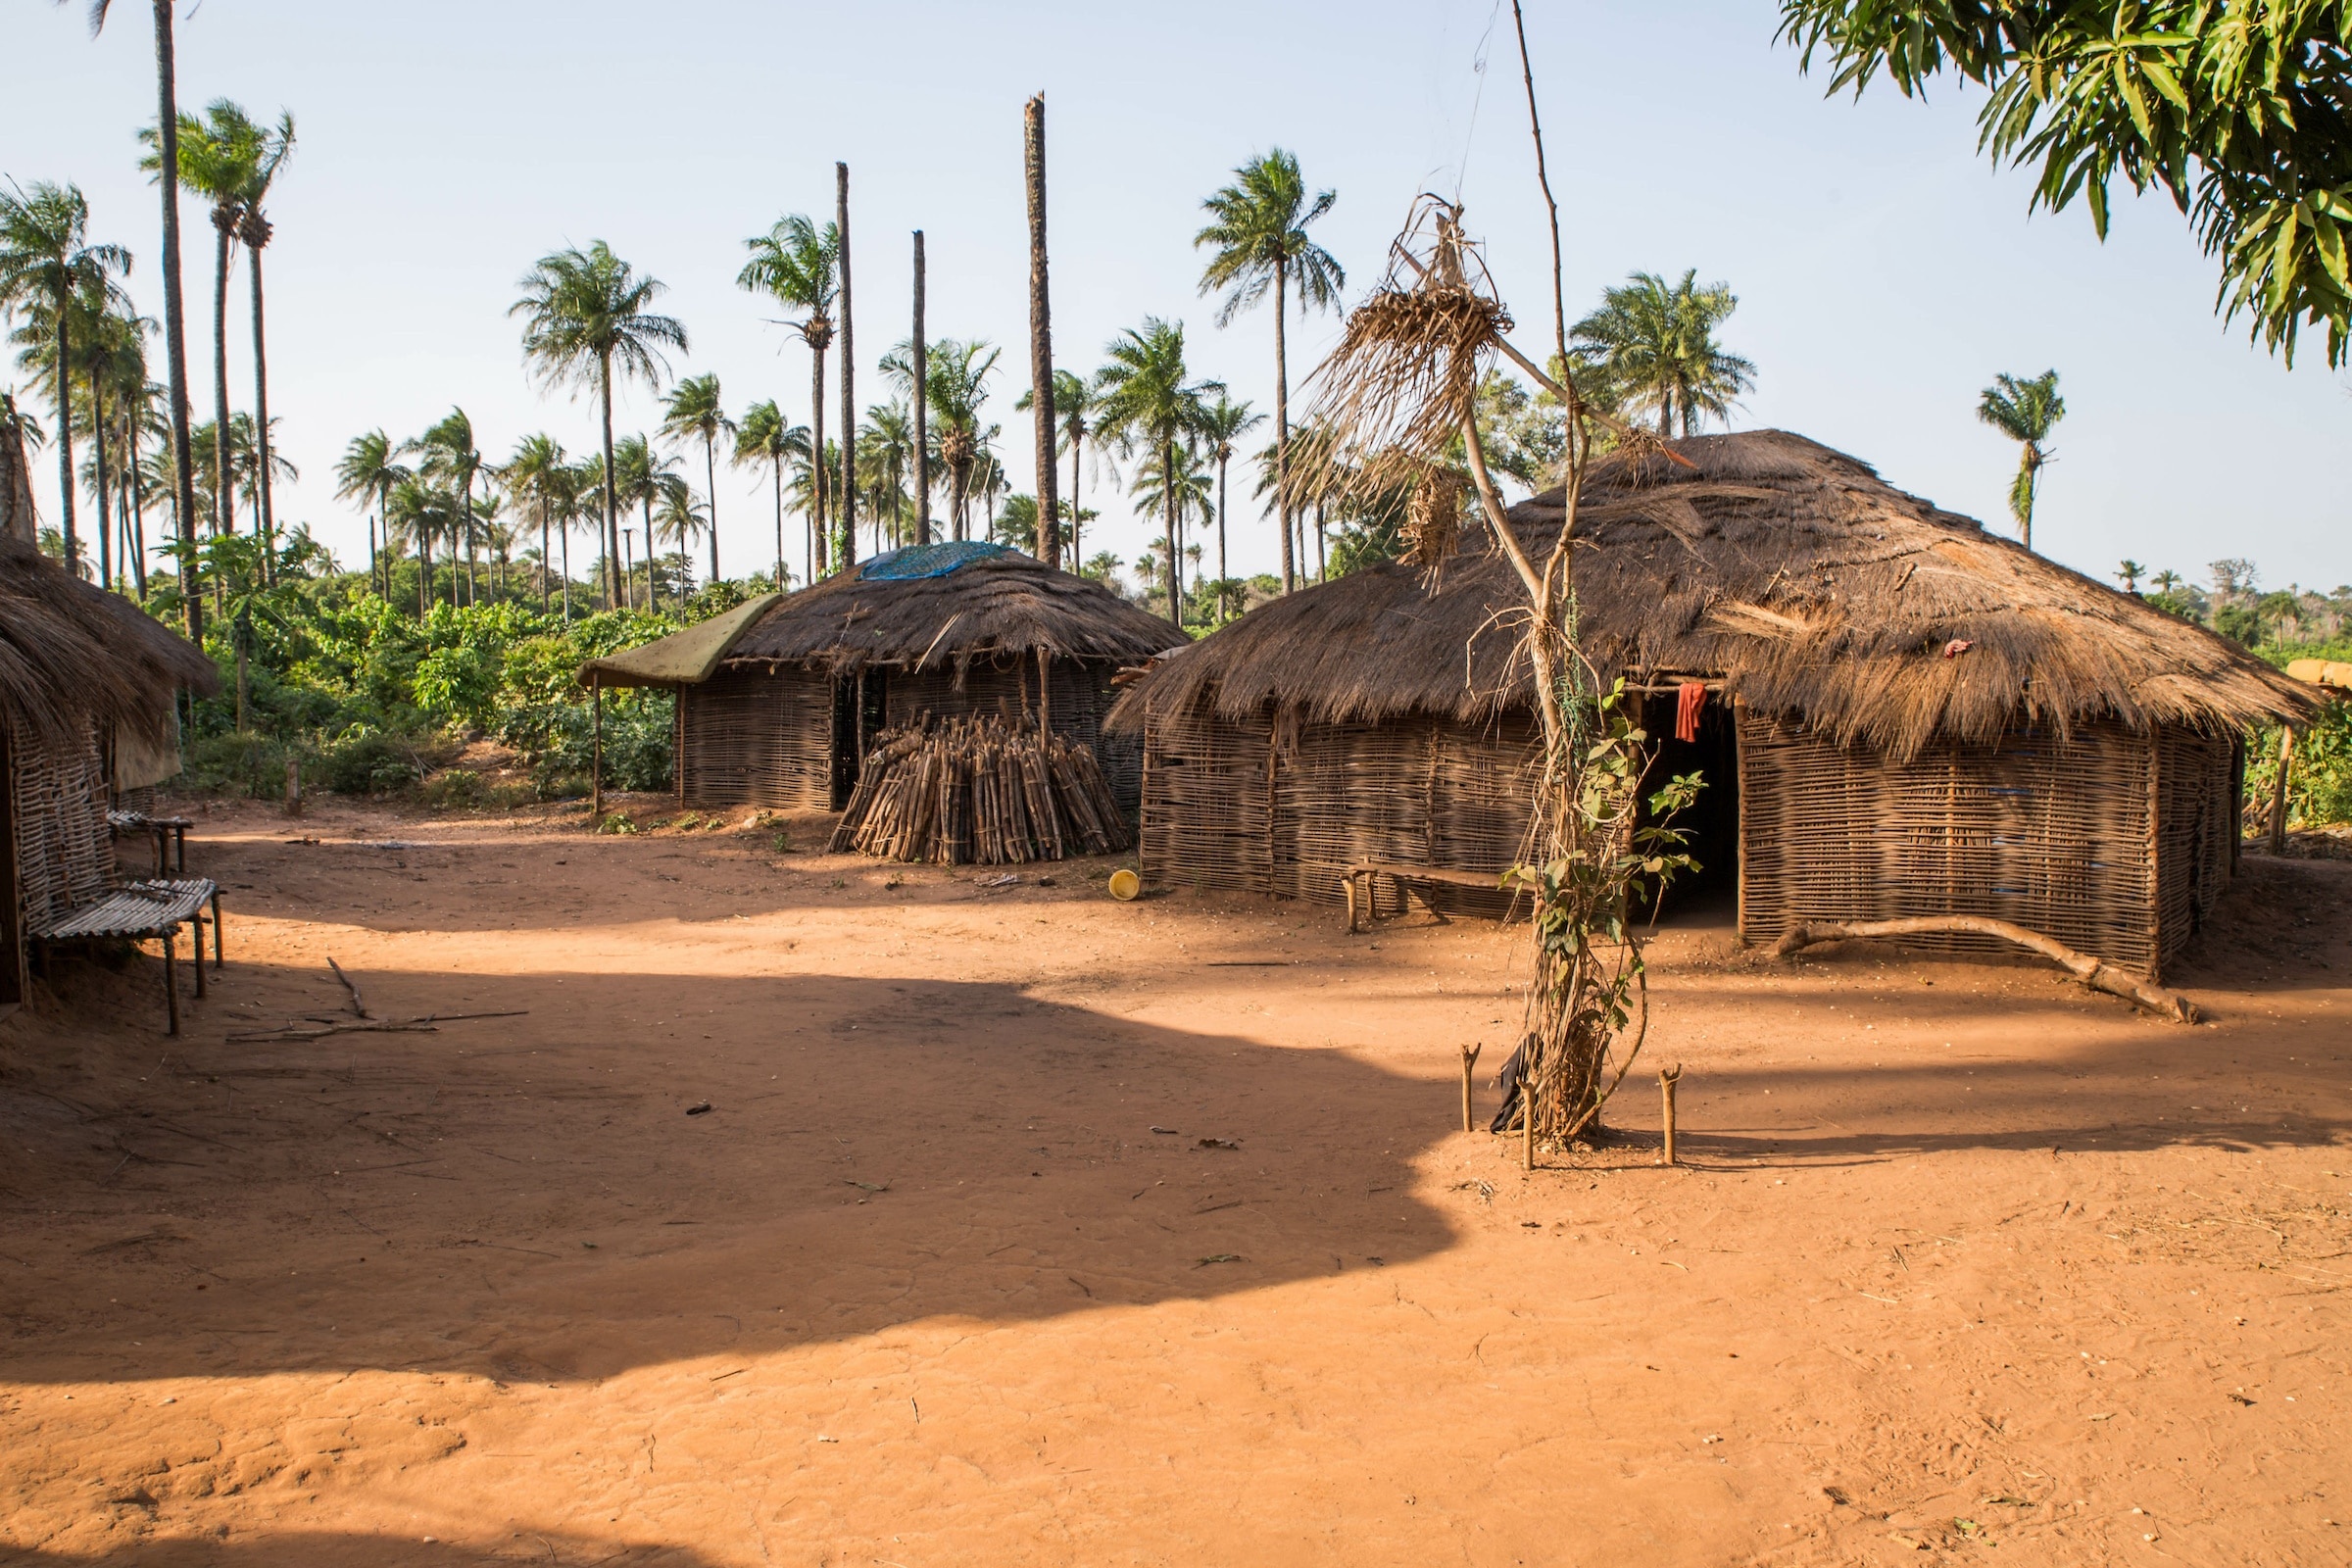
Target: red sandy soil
pixel 1967 1264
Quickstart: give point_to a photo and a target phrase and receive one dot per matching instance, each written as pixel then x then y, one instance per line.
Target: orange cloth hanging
pixel 1688 704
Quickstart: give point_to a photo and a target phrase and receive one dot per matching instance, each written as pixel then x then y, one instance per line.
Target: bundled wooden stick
pixel 983 789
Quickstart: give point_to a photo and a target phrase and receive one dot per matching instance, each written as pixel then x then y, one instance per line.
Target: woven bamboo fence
pixel 65 852
pixel 2113 842
pixel 980 790
pixel 1265 806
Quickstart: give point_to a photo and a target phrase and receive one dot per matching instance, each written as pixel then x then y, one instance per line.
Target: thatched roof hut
pixel 1868 642
pixel 776 707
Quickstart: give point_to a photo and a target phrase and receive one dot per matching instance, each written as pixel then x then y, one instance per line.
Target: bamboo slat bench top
pixel 141 909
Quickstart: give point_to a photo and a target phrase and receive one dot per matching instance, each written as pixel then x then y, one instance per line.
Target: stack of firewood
pixel 983 791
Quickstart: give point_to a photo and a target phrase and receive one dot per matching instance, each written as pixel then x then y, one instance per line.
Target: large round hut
pixel 1896 713
pixel 779 698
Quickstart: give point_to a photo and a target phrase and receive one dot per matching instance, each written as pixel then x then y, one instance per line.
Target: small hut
pixel 779 699
pixel 1896 713
pixel 88 692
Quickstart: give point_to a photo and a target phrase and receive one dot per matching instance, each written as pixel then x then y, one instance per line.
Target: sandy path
pixel 1965 1260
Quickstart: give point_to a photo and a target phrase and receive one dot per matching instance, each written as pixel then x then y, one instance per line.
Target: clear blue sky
pixel 1885 271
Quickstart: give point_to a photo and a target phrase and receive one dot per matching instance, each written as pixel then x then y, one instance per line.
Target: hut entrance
pixel 1713 820
pixel 860 711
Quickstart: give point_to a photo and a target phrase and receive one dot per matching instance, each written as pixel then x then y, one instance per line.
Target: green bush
pixel 234 763
pixel 2319 786
pixel 369 763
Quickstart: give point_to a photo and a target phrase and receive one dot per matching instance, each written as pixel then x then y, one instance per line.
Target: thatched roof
pixel 1793 573
pixel 990 603
pixel 684 657
pixel 69 648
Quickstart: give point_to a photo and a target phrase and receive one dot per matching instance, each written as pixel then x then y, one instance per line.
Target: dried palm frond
pixel 1433 518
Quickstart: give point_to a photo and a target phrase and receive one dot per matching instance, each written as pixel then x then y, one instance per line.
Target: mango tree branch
pixel 2096 973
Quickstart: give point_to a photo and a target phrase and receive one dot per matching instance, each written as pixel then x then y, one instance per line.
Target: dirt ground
pixel 815 1211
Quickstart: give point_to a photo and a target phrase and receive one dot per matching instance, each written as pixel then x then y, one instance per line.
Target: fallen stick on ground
pixel 358 1006
pixel 2096 973
pixel 427 1024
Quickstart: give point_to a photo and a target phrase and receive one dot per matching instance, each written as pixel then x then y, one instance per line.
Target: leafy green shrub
pixel 369 763
pixel 459 787
pixel 2319 786
pixel 237 764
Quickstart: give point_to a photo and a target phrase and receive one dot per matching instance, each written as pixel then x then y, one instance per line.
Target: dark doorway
pixel 860 709
pixel 1712 821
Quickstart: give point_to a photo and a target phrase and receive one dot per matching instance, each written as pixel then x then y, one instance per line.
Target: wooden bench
pixel 170 833
pixel 1406 876
pixel 138 911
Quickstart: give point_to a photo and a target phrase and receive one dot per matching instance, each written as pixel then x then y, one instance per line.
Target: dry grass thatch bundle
pixel 980 791
pixel 69 650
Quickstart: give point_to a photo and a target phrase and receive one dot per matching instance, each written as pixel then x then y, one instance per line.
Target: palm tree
pixel 694 410
pixel 450 456
pixel 181 467
pixel 766 436
pixel 2166 580
pixel 811 474
pixel 539 473
pixel 417 510
pixel 366 471
pixel 584 316
pixel 1150 406
pixel 220 159
pixel 799 266
pixel 640 477
pixel 47 263
pixel 681 520
pixel 1655 343
pixel 2024 412
pixel 1258 227
pixel 254 228
pixel 885 463
pixel 1173 480
pixel 1222 424
pixel 956 372
pixel 2129 572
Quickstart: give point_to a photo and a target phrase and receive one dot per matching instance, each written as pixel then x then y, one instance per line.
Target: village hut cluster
pixel 781 701
pixel 1895 713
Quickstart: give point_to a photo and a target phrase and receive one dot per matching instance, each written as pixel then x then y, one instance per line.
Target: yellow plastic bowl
pixel 1125 885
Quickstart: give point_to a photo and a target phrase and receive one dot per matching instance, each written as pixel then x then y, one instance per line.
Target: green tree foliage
pixel 2026 411
pixel 2240 110
pixel 1653 343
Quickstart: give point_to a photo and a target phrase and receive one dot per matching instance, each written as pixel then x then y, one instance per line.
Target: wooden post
pixel 1667 1079
pixel 293 787
pixel 922 451
pixel 596 750
pixel 172 977
pixel 677 741
pixel 219 951
pixel 849 375
pixel 1045 698
pixel 1041 335
pixel 2287 761
pixel 1469 1060
pixel 1527 1122
pixel 196 953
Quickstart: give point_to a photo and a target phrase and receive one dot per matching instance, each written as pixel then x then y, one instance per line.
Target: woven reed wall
pixel 64 854
pixel 2053 837
pixel 757 735
pixel 1282 808
pixel 2197 830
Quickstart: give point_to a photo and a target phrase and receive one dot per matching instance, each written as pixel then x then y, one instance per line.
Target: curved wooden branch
pixel 2096 973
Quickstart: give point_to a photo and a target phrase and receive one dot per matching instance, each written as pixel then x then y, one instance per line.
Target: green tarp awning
pixel 681 658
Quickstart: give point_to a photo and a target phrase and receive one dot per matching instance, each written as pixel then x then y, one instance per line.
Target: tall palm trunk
pixel 1041 334
pixel 543 562
pixel 711 488
pixel 1077 555
pixel 821 556
pixel 257 236
pixel 106 555
pixel 1224 455
pixel 465 521
pixel 776 467
pixel 1167 488
pixel 612 584
pixel 567 573
pixel 138 505
pixel 224 519
pixel 424 572
pixel 849 375
pixel 175 325
pixel 653 588
pixel 923 408
pixel 65 435
pixel 1282 423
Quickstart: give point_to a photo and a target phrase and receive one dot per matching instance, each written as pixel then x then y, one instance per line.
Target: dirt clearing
pixel 1027 1227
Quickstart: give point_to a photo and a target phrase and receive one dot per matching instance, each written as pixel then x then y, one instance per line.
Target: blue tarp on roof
pixel 928 560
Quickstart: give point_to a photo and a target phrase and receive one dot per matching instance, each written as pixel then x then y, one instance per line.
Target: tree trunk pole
pixel 1282 426
pixel 1469 1060
pixel 1667 1079
pixel 64 380
pixel 261 399
pixel 1041 335
pixel 710 485
pixel 820 554
pixel 596 750
pixel 611 516
pixel 176 322
pixel 848 378
pixel 2287 761
pixel 225 518
pixel 106 561
pixel 923 408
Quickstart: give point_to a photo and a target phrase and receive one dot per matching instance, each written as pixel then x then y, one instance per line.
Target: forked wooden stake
pixel 1667 1079
pixel 1469 1060
pixel 1527 1123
